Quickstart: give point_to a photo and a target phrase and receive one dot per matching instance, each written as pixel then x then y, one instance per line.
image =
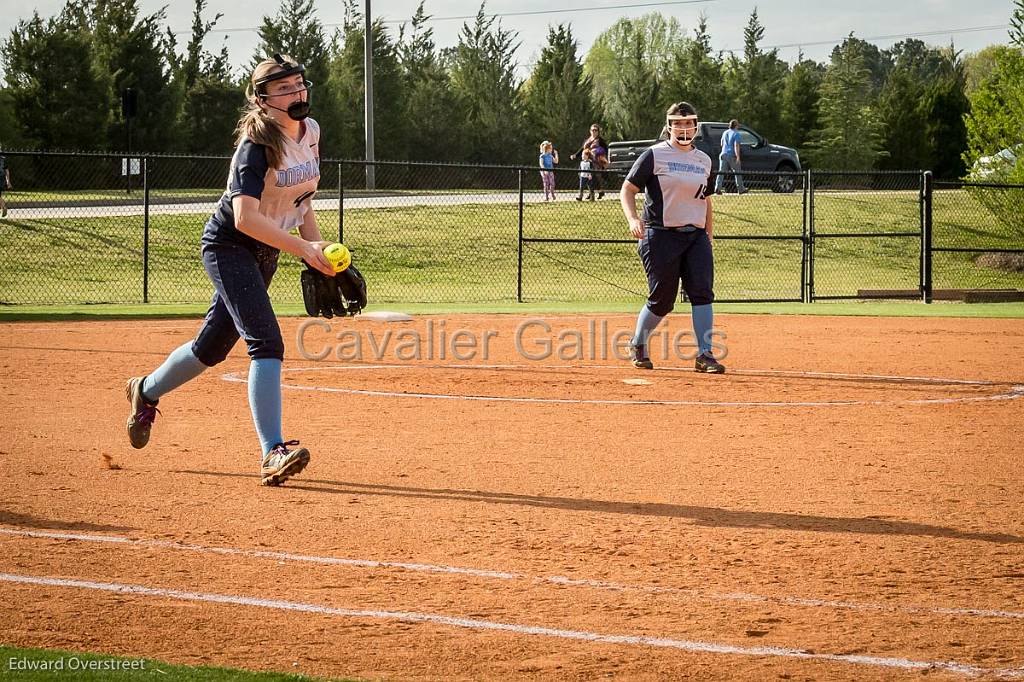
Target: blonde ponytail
pixel 259 127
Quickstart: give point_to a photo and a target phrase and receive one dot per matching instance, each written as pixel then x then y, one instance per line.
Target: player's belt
pixel 681 228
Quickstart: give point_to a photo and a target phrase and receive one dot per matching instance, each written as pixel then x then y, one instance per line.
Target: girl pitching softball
pixel 271 182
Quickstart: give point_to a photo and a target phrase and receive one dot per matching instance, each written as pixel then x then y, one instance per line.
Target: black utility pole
pixel 129 107
pixel 371 169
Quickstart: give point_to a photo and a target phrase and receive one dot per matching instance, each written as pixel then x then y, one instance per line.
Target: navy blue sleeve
pixel 642 170
pixel 248 170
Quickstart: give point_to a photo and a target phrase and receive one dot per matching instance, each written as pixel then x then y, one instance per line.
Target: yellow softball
pixel 338 256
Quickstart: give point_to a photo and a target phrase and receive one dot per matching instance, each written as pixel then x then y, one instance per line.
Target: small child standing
pixel 548 159
pixel 586 176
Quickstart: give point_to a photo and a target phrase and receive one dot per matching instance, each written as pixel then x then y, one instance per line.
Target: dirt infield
pixel 845 503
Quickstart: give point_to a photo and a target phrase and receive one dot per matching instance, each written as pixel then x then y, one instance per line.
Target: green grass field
pixel 452 255
pixel 43 665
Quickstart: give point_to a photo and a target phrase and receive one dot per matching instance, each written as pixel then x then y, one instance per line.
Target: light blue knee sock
pixel 265 400
pixel 179 367
pixel 646 323
pixel 703 319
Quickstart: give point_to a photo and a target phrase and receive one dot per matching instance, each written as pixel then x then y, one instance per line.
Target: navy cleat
pixel 707 364
pixel 638 355
pixel 140 422
pixel 280 463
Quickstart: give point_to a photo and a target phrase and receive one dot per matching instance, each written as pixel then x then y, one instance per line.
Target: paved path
pixel 206 208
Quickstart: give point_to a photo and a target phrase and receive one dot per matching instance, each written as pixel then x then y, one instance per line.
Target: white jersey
pixel 284 191
pixel 674 183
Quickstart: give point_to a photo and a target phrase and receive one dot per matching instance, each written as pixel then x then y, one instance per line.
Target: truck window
pixel 714 135
pixel 748 139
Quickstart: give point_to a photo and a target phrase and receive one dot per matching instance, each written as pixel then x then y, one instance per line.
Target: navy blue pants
pixel 669 256
pixel 241 305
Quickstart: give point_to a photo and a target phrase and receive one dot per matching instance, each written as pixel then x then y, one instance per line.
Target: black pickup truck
pixel 764 164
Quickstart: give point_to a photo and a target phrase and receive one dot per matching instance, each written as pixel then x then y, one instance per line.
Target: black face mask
pixel 296 110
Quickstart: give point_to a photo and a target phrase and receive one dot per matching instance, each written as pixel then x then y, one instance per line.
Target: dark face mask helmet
pixel 296 110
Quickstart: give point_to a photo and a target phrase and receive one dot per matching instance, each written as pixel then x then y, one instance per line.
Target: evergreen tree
pixel 913 66
pixel 41 59
pixel 348 96
pixel 904 121
pixel 696 75
pixel 559 99
pixel 128 52
pixel 875 61
pixel 922 106
pixel 758 83
pixel 800 96
pixel 296 31
pixel 11 136
pixel 849 137
pixel 483 79
pixel 210 98
pixel 944 106
pixel 914 57
pixel 430 106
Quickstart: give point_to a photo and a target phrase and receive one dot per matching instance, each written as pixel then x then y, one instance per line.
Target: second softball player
pixel 675 233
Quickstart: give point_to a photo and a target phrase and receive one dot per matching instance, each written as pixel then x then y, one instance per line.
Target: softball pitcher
pixel 675 233
pixel 271 182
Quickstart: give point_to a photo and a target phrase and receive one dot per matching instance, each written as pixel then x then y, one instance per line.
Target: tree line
pixel 908 107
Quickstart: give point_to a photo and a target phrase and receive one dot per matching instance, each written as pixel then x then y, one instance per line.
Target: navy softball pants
pixel 241 305
pixel 669 256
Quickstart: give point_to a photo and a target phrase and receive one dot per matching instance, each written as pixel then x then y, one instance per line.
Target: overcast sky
pixel 816 26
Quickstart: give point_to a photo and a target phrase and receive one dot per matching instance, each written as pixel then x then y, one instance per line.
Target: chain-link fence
pixel 432 232
pixel 977 240
pixel 583 249
pixel 84 228
pixel 865 232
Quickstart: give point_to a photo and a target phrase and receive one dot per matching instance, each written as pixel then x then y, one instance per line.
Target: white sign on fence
pixel 136 166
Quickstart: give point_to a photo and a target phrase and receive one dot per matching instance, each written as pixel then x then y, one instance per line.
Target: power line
pixel 839 41
pixel 497 14
pixel 559 11
pixel 814 43
pixel 919 34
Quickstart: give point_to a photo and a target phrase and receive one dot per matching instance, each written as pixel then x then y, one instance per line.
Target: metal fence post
pixel 810 236
pixel 803 243
pixel 921 232
pixel 519 268
pixel 926 239
pixel 341 203
pixel 145 226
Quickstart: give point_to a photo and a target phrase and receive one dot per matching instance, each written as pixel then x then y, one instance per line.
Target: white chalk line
pixel 1014 393
pixel 511 575
pixel 695 646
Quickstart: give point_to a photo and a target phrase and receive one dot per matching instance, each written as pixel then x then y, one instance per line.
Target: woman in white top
pixel 273 177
